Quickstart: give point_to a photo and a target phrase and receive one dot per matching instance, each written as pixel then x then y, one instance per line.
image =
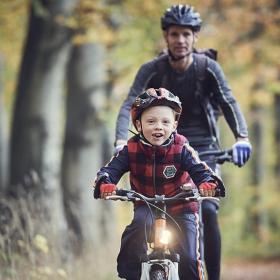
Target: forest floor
pixel 251 270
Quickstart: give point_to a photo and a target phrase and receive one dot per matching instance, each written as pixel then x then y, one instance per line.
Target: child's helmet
pixel 155 97
pixel 182 15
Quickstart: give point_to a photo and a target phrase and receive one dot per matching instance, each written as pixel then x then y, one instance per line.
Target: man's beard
pixel 177 58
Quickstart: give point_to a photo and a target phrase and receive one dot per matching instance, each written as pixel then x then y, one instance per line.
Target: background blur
pixel 65 68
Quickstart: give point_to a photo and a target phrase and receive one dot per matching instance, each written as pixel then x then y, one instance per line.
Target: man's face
pixel 180 40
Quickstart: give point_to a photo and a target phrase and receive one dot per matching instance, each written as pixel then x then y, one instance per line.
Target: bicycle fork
pixel 160 261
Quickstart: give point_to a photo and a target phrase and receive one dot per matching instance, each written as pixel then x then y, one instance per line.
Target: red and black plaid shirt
pixel 158 170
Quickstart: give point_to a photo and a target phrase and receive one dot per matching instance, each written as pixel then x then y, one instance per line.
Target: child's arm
pixel 112 171
pixel 199 171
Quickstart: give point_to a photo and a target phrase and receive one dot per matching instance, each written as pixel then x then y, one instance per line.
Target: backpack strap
pixel 161 79
pixel 204 99
pixel 212 53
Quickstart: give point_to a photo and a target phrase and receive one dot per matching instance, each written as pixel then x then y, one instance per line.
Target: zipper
pixel 154 170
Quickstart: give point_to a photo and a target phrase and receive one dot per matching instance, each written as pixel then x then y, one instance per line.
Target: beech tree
pixel 37 129
pixel 4 143
pixel 83 147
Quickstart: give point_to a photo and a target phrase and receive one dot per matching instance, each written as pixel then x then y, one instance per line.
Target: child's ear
pixel 138 125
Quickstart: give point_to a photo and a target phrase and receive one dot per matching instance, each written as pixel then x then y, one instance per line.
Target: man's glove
pixel 207 189
pixel 107 189
pixel 241 152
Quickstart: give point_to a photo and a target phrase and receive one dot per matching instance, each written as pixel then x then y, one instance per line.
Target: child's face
pixel 157 124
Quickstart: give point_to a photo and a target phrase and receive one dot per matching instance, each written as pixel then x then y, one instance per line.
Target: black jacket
pixel 197 120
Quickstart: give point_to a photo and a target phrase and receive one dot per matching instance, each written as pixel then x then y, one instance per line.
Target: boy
pixel 160 161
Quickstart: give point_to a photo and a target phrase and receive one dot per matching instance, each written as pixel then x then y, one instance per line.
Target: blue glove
pixel 241 152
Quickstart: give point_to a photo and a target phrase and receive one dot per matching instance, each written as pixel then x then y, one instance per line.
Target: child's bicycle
pixel 160 263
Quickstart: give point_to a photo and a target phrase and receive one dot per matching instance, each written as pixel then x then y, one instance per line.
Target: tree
pixel 83 147
pixel 3 135
pixel 37 134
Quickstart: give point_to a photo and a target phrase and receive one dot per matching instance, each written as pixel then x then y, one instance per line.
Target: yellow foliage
pixel 41 243
pixel 62 273
pixel 45 271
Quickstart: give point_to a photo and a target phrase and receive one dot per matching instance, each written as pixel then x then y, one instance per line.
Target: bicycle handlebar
pixel 220 156
pixel 129 195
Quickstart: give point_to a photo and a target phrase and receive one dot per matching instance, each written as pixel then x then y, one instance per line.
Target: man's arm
pixel 222 94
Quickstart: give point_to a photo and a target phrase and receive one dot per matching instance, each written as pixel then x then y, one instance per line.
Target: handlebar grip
pixel 122 192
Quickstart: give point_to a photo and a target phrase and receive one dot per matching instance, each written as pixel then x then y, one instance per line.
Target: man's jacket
pixel 196 121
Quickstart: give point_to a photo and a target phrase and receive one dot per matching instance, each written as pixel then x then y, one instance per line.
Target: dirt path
pixel 251 271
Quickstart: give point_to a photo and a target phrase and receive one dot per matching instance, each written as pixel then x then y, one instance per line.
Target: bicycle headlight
pixel 165 237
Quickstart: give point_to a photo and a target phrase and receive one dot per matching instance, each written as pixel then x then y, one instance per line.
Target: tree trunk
pixel 277 135
pixel 37 132
pixel 83 147
pixel 255 216
pixel 4 142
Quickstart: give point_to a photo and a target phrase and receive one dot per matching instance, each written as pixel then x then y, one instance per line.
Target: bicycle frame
pixel 160 262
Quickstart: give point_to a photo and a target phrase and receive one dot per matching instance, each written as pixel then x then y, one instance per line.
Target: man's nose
pixel 181 38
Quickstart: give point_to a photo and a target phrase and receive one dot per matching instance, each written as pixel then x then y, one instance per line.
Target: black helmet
pixel 182 15
pixel 154 97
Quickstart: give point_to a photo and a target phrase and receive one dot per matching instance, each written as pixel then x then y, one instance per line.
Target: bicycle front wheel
pixel 157 274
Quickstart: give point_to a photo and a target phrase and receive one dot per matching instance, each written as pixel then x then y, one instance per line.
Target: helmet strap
pixel 166 143
pixel 173 58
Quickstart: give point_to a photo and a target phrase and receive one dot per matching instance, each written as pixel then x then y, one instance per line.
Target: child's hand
pixel 107 189
pixel 207 188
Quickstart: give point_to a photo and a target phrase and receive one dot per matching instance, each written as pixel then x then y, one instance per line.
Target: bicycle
pixel 159 263
pixel 220 157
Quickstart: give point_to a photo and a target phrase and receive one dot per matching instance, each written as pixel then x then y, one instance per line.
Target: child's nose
pixel 159 125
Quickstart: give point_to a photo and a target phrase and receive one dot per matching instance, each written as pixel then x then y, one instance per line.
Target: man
pixel 201 93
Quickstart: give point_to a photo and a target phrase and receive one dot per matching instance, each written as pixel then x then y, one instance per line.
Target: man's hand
pixel 207 188
pixel 242 150
pixel 107 190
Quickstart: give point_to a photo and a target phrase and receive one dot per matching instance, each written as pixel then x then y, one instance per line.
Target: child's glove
pixel 241 152
pixel 207 188
pixel 107 189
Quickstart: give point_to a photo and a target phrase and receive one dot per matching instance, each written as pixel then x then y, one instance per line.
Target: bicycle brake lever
pixel 224 158
pixel 116 197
